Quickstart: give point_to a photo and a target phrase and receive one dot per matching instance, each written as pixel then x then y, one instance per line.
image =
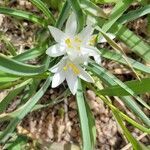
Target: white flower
pixel 66 69
pixel 92 22
pixel 76 46
pixel 103 40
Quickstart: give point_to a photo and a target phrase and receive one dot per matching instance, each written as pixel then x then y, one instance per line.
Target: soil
pixel 60 123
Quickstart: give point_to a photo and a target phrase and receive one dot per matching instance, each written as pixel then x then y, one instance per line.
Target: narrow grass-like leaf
pixel 109 79
pixel 39 4
pixel 139 87
pixel 118 10
pixel 136 44
pixel 8 85
pixel 119 58
pixel 23 15
pixel 105 1
pixel 12 94
pixel 30 54
pixel 92 126
pixel 5 77
pixel 119 50
pixel 92 8
pixel 126 132
pixel 18 68
pixel 63 15
pixel 121 84
pixel 79 14
pixel 125 117
pixel 24 111
pixel 135 14
pixel 12 50
pixel 84 122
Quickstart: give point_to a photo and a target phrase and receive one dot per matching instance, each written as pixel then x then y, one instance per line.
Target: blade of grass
pixel 84 122
pixel 90 7
pixel 119 50
pixel 42 6
pixel 18 68
pixel 125 117
pixel 139 87
pixel 135 14
pixel 79 14
pixel 110 79
pixel 5 77
pixel 23 15
pixel 136 44
pixel 24 111
pixel 116 13
pixel 12 94
pixel 119 58
pixel 31 54
pixel 126 132
pixel 63 15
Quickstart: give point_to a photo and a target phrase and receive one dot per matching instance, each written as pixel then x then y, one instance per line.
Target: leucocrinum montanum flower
pixel 76 48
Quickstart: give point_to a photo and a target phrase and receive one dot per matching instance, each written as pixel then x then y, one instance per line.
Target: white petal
pixel 86 33
pixel 72 54
pixel 91 21
pixel 97 59
pixel 59 65
pixel 57 34
pixel 58 78
pixel 103 40
pixel 92 51
pixel 85 76
pixel 56 50
pixel 72 82
pixel 71 25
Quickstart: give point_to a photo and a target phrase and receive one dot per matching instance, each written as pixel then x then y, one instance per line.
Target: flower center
pixel 74 43
pixel 92 40
pixel 68 43
pixel 73 67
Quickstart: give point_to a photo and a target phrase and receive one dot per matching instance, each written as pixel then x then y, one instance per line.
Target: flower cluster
pixel 76 50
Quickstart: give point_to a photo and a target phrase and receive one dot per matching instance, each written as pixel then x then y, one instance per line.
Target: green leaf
pixel 110 79
pixel 92 125
pixel 136 44
pixel 5 77
pixel 84 122
pixel 135 14
pixel 9 46
pixel 119 58
pixel 16 144
pixel 23 15
pixel 139 87
pixel 39 4
pixel 105 1
pixel 63 15
pixel 30 54
pixel 117 11
pixel 125 117
pixel 24 110
pixel 126 132
pixel 123 86
pixel 92 8
pixel 12 94
pixel 79 14
pixel 18 68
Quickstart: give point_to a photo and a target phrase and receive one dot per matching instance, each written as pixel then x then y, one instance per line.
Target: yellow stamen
pixel 74 68
pixel 65 68
pixel 69 43
pixel 93 40
pixel 77 40
pixel 78 48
